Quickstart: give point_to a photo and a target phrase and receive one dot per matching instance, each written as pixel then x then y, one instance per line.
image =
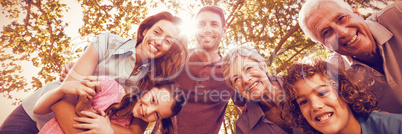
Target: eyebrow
pixel 159 28
pixel 233 76
pixel 163 31
pixel 240 72
pixel 335 19
pixel 314 89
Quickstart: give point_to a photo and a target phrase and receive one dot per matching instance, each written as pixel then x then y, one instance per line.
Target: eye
pixel 156 32
pixel 236 79
pixel 326 32
pixel 302 102
pixel 214 24
pixel 342 18
pixel 201 24
pixel 157 116
pixel 153 100
pixel 168 41
pixel 322 93
pixel 248 68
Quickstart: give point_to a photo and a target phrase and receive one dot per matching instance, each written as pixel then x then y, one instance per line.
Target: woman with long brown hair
pixel 155 56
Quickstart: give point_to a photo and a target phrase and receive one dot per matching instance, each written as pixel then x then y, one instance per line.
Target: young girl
pixel 158 104
pixel 323 99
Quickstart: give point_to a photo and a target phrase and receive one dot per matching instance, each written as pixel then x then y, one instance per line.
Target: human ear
pixel 144 32
pixel 354 9
pixel 224 29
pixel 323 45
pixel 266 68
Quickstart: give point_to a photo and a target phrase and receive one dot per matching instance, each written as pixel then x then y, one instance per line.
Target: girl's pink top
pixel 110 94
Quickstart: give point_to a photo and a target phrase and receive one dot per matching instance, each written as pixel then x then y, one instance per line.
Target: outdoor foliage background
pixel 270 26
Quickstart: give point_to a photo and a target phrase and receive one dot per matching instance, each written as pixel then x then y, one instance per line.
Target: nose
pixel 158 40
pixel 150 109
pixel 341 31
pixel 246 78
pixel 316 104
pixel 207 29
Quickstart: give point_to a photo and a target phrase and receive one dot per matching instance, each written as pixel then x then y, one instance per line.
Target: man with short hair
pixel 202 78
pixel 371 48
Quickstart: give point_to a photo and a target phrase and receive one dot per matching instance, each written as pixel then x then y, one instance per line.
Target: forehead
pixel 160 93
pixel 165 102
pixel 208 16
pixel 240 62
pixel 168 27
pixel 304 86
pixel 325 13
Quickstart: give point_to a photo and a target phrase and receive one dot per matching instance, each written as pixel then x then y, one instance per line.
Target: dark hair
pixel 216 10
pixel 152 20
pixel 168 125
pixel 124 108
pixel 360 100
pixel 165 68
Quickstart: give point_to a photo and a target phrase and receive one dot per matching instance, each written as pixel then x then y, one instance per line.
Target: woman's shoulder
pixel 116 39
pixel 110 40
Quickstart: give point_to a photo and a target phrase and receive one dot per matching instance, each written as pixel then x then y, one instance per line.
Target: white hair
pixel 310 7
pixel 240 51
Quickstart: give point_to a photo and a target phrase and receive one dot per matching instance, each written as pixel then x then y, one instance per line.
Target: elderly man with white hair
pixel 371 48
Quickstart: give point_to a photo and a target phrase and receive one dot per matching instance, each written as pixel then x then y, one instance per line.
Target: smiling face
pixel 320 106
pixel 341 30
pixel 249 78
pixel 158 39
pixel 209 30
pixel 154 105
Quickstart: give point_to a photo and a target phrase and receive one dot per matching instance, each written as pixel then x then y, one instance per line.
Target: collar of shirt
pixel 127 47
pixel 255 114
pixel 380 34
pixel 194 58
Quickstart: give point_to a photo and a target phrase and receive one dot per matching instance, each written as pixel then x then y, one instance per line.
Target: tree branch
pixel 49 23
pixel 28 14
pixel 237 6
pixel 278 21
pixel 297 53
pixel 288 34
pixel 280 44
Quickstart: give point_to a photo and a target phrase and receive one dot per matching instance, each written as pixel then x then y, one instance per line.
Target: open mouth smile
pixel 352 40
pixel 141 111
pixel 324 117
pixel 253 86
pixel 152 48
